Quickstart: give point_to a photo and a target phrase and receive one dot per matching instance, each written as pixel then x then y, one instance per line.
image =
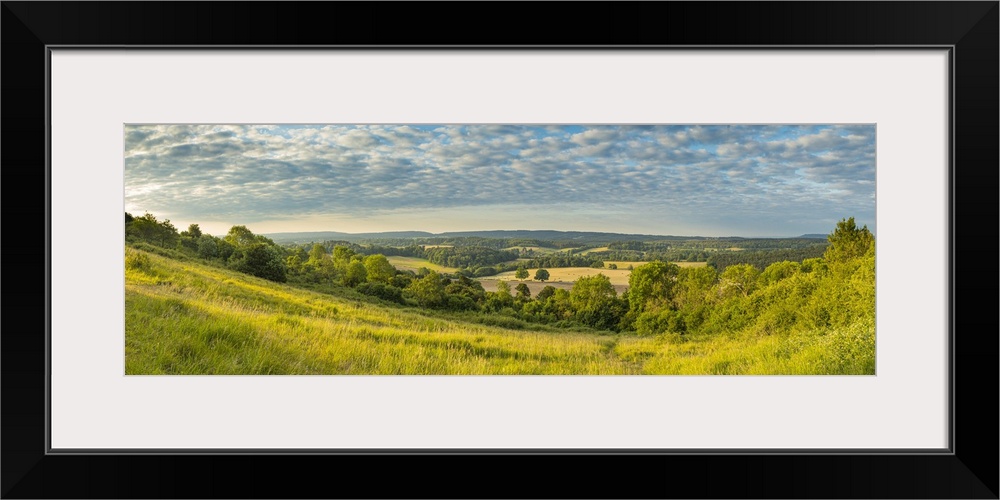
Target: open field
pixel 190 318
pixel 568 274
pixel 564 277
pixel 490 285
pixel 559 277
pixel 415 263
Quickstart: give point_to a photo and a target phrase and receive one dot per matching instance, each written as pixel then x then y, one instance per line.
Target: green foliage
pixel 226 249
pixel 662 321
pixel 208 247
pixel 317 255
pixel 429 290
pixel 501 299
pixel 470 289
pixel 136 260
pixel 848 241
pixel 378 268
pixel 651 285
pixel 596 303
pixel 261 260
pixel 546 292
pixel 468 256
pixel 355 273
pixel 150 230
pixel 739 279
pixel 342 254
pixel 382 291
pixel 521 273
pixel 763 258
pixel 813 316
pixel 240 237
pixel 779 271
pixel 541 275
pixel 293 263
pixel 194 231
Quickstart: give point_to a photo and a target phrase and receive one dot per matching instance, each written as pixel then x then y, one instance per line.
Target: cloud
pixel 269 172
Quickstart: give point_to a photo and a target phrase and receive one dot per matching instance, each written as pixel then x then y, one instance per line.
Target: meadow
pixel 188 317
pixel 415 263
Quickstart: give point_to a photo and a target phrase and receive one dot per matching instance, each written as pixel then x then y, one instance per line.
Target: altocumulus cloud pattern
pixel 750 180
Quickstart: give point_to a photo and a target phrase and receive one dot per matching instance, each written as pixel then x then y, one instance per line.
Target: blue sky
pixel 712 180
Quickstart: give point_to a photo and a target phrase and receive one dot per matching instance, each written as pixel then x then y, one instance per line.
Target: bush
pixel 136 261
pixel 384 292
pixel 261 260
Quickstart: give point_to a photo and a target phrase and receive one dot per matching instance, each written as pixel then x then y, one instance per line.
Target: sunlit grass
pixel 187 318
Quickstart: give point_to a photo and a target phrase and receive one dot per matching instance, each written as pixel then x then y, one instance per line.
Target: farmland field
pixel 569 274
pixel 415 263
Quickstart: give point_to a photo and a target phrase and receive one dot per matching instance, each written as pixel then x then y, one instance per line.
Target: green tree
pixel 194 231
pixel 240 236
pixel 379 269
pixel 740 278
pixel 354 273
pixel 592 292
pixel 261 260
pixel 317 254
pixel 147 228
pixel 541 275
pixel 523 292
pixel 429 290
pixel 779 271
pixel 651 285
pixel 521 273
pixel 612 266
pixel 848 241
pixel 501 298
pixel 293 263
pixel 342 255
pixel 226 249
pixel 545 293
pixel 207 247
pixel 596 302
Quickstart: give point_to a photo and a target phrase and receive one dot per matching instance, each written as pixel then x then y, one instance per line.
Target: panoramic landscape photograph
pixel 499 249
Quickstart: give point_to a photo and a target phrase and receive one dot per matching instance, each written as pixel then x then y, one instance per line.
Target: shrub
pixel 136 260
pixel 384 292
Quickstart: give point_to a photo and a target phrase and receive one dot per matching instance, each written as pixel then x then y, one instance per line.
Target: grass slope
pixel 189 318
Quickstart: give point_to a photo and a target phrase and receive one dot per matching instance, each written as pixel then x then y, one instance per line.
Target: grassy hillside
pixel 189 318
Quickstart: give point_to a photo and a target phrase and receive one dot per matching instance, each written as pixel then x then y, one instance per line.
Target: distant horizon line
pixel 431 233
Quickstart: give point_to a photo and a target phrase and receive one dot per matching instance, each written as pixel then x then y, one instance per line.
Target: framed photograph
pixel 727 252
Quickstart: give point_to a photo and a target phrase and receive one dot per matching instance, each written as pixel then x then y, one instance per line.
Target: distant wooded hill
pixel 549 235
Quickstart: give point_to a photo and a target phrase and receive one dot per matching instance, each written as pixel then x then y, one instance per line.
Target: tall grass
pixel 189 318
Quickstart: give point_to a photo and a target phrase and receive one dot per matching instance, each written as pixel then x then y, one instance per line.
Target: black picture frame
pixel 969 470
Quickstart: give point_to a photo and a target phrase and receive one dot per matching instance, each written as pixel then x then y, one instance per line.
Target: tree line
pixel 829 290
